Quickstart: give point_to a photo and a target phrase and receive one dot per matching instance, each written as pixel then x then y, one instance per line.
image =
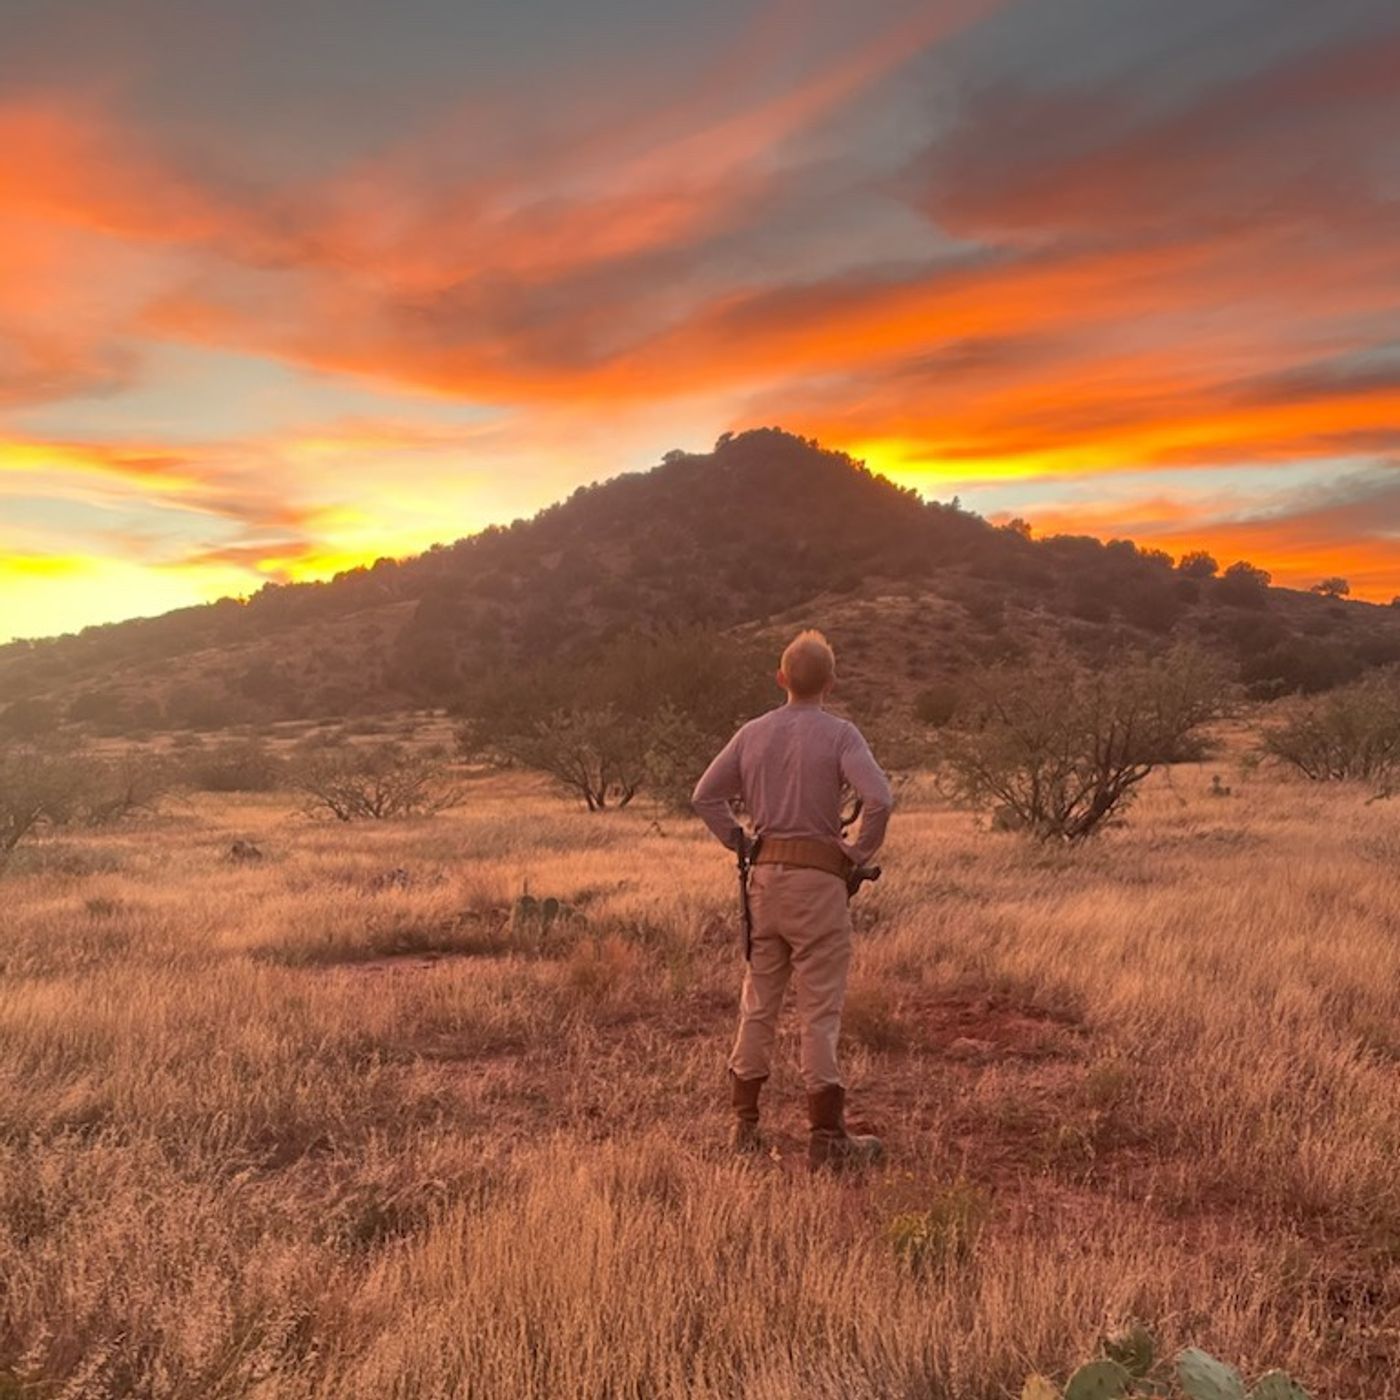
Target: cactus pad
pixel 1277 1386
pixel 1202 1377
pixel 1099 1380
pixel 1133 1350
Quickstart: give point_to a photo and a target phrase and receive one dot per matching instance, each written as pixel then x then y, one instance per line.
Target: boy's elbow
pixel 705 803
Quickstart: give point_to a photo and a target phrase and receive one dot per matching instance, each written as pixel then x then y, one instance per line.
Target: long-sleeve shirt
pixel 788 766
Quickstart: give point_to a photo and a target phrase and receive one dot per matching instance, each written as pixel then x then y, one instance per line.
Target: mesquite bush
pixel 379 782
pixel 1352 733
pixel 1055 748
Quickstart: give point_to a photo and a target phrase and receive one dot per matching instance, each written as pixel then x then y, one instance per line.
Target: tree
pixel 1198 564
pixel 379 782
pixel 1334 587
pixel 597 753
pixel 1245 585
pixel 641 712
pixel 1245 572
pixel 1057 748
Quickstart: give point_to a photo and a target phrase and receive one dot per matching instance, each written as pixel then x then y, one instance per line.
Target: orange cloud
pixel 1064 282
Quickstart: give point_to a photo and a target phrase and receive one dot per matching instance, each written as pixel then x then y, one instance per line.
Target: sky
pixel 290 285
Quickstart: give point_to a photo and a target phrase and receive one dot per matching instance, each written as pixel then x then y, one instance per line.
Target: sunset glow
pixel 272 306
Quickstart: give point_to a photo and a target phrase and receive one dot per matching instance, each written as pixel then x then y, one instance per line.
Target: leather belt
pixel 800 851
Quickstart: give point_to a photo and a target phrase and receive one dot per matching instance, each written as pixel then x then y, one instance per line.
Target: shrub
pixel 946 1233
pixel 236 765
pixel 935 705
pixel 1057 749
pixel 1351 733
pixel 381 783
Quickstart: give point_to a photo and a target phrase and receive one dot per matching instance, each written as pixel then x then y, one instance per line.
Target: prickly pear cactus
pixel 1277 1386
pixel 1202 1377
pixel 549 911
pixel 1134 1350
pixel 1099 1380
pixel 1038 1388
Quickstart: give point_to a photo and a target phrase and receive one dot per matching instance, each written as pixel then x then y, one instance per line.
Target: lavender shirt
pixel 788 766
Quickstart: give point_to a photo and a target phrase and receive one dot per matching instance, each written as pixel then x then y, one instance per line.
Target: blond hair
pixel 809 664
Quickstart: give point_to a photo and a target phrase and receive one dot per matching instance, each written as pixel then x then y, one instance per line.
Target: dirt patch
pixel 980 1029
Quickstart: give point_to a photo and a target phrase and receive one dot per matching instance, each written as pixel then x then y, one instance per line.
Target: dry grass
pixel 309 1128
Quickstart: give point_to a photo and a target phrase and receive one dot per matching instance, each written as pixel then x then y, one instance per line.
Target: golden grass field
pixel 306 1128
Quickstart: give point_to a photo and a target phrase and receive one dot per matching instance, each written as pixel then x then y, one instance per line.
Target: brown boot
pixel 830 1145
pixel 744 1096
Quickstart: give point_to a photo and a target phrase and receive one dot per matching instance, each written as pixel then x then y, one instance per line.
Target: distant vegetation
pixel 766 528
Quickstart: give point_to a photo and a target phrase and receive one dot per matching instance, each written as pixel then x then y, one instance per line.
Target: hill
pixel 765 532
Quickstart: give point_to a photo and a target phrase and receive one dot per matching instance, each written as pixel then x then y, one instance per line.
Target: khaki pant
pixel 802 931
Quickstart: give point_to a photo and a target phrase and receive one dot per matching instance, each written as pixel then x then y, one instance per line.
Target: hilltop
pixel 767 531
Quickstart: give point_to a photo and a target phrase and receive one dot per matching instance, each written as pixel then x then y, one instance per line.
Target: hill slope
pixel 768 530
